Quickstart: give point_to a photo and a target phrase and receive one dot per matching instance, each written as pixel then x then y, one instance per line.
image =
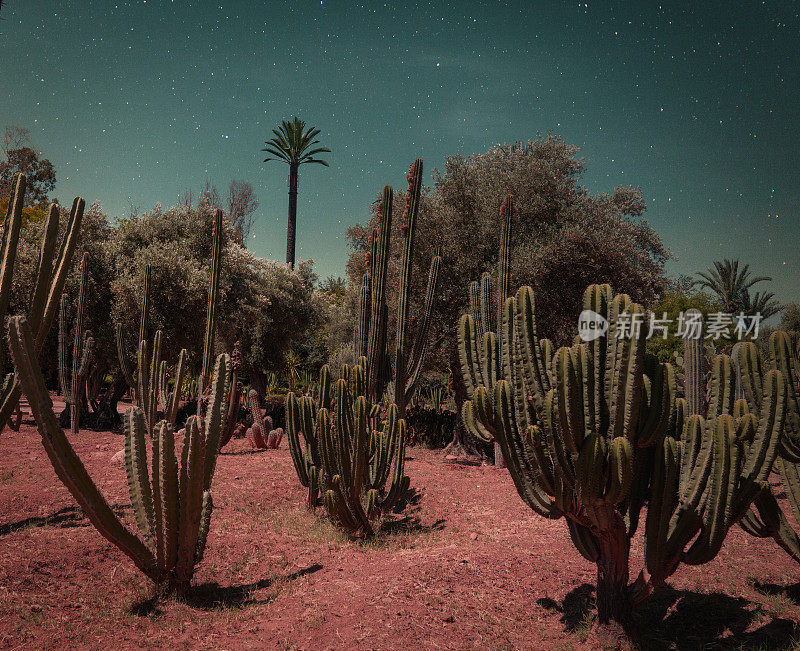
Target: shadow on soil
pixel 683 619
pixel 213 596
pixel 69 516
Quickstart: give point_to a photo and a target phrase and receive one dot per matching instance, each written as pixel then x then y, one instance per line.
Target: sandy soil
pixel 469 567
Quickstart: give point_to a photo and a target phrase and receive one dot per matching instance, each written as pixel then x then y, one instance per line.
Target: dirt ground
pixel 470 566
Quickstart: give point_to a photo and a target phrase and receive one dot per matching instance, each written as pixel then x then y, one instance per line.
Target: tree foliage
pixel 564 237
pixel 19 157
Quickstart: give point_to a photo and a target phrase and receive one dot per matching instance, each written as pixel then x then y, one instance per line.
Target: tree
pixel 733 288
pixel 262 304
pixel 563 239
pixel 17 157
pixel 292 144
pixel 241 203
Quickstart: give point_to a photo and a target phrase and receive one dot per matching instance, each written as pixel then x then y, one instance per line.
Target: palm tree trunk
pixel 292 227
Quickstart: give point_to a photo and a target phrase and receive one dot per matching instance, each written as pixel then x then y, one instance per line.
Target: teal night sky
pixel 696 102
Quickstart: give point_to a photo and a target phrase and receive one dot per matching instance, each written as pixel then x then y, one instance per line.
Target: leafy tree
pixel 262 304
pixel 790 319
pixel 18 157
pixel 564 238
pixel 241 204
pixel 293 144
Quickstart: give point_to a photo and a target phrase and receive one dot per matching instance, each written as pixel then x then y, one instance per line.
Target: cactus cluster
pixel 172 505
pixel 261 434
pixel 348 451
pixel 593 431
pixel 766 518
pixel 371 333
pixel 478 342
pixel 73 384
pixel 51 275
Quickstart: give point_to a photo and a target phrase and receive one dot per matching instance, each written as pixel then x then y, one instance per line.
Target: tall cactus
pixel 766 519
pixel 144 311
pixel 607 434
pixel 371 336
pixel 51 275
pixel 478 342
pixel 213 292
pixel 172 505
pixel 73 384
pixel 346 455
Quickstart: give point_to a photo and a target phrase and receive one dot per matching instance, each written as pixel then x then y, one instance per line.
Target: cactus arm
pixel 122 355
pixel 215 416
pixel 377 327
pixel 66 463
pixel 138 476
pixel 418 351
pixel 213 291
pixel 174 401
pixel 190 496
pixel 299 459
pixel 44 268
pixel 168 488
pixel 62 267
pixel 469 355
pixel 205 525
pixel 63 374
pixel 8 250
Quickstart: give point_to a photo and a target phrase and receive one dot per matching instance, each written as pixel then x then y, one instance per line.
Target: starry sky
pixel 695 102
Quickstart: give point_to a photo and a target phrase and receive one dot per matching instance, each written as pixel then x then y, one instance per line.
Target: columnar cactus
pixel 767 519
pixel 213 291
pixel 73 385
pixel 343 455
pixel 595 432
pixel 172 505
pixel 51 274
pixel 144 312
pixel 371 339
pixel 478 343
pixel 235 399
pixel 153 384
pixel 261 434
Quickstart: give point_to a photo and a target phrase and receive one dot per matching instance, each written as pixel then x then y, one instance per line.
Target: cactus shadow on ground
pixel 790 591
pixel 213 596
pixel 684 619
pixel 69 516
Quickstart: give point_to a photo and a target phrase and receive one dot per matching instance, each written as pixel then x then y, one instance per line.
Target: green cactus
pixel 371 338
pixel 235 400
pixel 153 384
pixel 172 505
pixel 213 291
pixel 51 275
pixel 144 312
pixel 73 385
pixel 343 455
pixel 595 431
pixel 766 520
pixel 479 338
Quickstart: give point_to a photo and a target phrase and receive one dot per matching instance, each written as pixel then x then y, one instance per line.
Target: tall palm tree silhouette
pixel 293 145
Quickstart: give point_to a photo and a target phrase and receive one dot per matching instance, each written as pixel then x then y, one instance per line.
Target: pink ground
pixel 471 566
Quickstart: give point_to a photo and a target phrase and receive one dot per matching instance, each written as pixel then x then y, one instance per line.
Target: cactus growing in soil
pixel 73 385
pixel 173 509
pixel 213 292
pixel 235 399
pixel 347 454
pixel 371 338
pixel 51 275
pixel 261 434
pixel 766 520
pixel 478 343
pixel 608 434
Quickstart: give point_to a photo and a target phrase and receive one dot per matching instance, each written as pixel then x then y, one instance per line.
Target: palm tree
pixel 733 286
pixel 292 144
pixel 761 303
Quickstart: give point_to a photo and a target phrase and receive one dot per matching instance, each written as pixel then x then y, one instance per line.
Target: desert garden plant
pixel 347 450
pixel 594 432
pixel 478 335
pixel 51 274
pixel 172 505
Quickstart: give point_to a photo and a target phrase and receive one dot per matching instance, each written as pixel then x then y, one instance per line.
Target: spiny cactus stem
pixel 213 290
